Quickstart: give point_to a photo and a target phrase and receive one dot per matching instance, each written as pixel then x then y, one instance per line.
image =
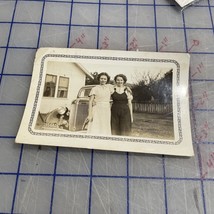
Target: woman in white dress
pixel 99 115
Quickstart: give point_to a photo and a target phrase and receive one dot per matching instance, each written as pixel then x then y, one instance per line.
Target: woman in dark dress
pixel 121 110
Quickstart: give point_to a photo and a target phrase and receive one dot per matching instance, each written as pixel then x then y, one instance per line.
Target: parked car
pixel 57 119
pixel 79 109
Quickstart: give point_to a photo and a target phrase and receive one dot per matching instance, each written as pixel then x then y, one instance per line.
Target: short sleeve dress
pixel 101 123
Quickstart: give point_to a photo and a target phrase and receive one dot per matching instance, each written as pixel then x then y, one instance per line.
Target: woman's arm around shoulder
pixel 129 93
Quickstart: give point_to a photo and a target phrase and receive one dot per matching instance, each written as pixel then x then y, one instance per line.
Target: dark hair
pixel 121 75
pixel 103 74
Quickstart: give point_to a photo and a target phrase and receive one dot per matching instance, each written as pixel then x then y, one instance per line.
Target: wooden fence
pixel 152 107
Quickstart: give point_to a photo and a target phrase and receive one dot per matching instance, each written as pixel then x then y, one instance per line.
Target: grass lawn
pixel 146 125
pixel 153 126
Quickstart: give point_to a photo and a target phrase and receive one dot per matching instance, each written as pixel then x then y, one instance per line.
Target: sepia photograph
pixel 108 99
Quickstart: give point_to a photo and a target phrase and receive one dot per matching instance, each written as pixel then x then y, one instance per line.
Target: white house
pixel 62 83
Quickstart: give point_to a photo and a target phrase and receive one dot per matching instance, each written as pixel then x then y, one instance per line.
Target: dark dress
pixel 120 114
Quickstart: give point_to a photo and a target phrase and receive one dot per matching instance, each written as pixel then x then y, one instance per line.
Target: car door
pixel 79 109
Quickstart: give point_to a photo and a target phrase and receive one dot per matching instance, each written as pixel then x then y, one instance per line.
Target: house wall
pixel 76 81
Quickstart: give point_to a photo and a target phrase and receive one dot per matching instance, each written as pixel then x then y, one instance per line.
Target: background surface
pixel 62 180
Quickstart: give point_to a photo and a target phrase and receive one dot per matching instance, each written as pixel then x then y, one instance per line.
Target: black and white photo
pixel 112 100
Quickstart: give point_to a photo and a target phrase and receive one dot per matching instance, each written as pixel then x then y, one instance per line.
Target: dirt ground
pixel 153 126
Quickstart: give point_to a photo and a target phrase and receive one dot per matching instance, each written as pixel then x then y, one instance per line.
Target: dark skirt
pixel 120 119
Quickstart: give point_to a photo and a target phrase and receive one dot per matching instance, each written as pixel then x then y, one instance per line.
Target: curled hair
pixel 103 74
pixel 122 76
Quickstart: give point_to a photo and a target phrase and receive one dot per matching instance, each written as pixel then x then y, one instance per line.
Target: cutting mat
pixel 60 180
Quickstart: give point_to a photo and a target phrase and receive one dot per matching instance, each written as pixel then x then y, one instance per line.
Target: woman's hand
pixel 132 120
pixel 89 118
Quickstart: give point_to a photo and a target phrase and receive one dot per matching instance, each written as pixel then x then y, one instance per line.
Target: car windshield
pixel 84 92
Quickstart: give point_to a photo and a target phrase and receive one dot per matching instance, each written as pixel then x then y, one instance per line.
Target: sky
pixel 133 73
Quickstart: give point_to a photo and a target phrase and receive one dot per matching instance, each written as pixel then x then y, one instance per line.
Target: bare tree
pixel 156 88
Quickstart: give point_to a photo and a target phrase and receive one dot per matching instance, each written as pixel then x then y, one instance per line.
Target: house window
pixel 50 85
pixel 63 87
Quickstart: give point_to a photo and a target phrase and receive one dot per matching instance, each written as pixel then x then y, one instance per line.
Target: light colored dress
pixel 101 112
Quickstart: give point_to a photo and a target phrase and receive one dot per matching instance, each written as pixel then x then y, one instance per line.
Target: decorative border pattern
pixel 35 106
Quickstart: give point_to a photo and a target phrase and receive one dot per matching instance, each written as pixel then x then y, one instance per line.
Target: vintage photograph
pixel 107 100
pixel 112 100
